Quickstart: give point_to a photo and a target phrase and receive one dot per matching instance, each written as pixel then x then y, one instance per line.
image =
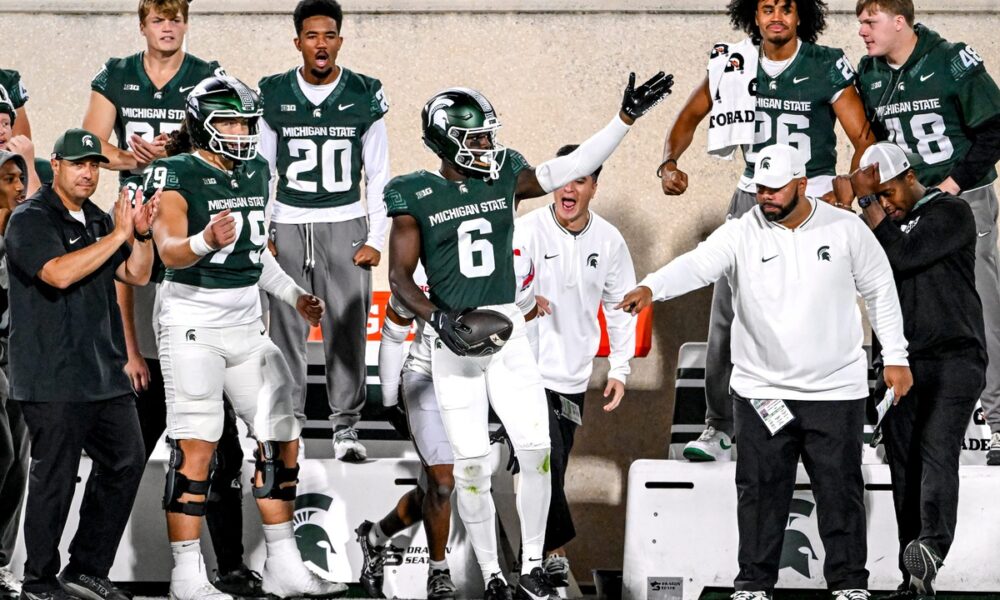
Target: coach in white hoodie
pixel 581 262
pixel 796 266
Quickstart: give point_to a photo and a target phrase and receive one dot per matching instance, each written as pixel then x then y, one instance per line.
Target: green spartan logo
pixel 797 550
pixel 313 542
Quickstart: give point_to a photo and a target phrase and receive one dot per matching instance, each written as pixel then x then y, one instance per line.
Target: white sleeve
pixel 874 280
pixel 268 149
pixel 555 173
pixel 704 265
pixel 390 360
pixel 621 325
pixel 375 151
pixel 276 282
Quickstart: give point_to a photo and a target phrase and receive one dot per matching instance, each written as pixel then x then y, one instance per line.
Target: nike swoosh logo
pixel 764 260
pixel 924 78
pixel 251 174
pixel 724 445
pixel 799 80
pixel 77 239
pixel 548 257
pixel 344 106
pixel 186 89
pixel 978 233
pixel 356 244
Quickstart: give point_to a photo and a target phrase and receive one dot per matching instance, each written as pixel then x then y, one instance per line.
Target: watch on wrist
pixel 144 237
pixel 865 201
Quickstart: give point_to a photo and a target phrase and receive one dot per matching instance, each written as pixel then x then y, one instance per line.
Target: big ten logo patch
pixel 801 550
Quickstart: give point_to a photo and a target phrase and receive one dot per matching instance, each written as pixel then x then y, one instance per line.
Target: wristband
pixel 865 201
pixel 198 244
pixel 144 237
pixel 659 170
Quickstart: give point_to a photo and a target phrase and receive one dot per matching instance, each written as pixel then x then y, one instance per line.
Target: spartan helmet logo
pixel 436 116
pixel 189 335
pixel 592 260
pixel 317 113
pixel 797 550
pixel 88 141
pixel 735 63
pixel 823 253
pixel 310 536
pixel 765 163
pixel 719 50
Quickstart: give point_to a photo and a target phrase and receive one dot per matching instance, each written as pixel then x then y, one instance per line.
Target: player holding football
pixel 459 221
pixel 212 241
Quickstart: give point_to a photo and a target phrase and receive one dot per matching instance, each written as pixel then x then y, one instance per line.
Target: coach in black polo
pixel 67 359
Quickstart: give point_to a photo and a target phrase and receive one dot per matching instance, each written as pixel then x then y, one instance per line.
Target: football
pixel 490 330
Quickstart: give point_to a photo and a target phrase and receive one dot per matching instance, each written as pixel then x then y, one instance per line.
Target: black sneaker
pixel 57 594
pixel 535 586
pixel 922 564
pixel 440 586
pixel 903 592
pixel 372 569
pixel 242 582
pixel 993 456
pixel 90 587
pixel 557 570
pixel 497 589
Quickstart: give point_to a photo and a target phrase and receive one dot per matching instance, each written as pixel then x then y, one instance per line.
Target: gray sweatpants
pixel 320 258
pixel 718 358
pixel 983 202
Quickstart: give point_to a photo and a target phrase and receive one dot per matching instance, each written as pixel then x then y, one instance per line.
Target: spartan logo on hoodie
pixel 736 62
pixel 719 50
pixel 797 551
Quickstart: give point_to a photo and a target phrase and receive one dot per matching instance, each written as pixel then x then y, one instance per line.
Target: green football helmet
pixel 453 120
pixel 7 105
pixel 223 97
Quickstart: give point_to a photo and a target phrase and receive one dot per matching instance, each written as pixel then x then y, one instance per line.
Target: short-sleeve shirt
pixel 142 108
pixel 65 345
pixel 13 88
pixel 319 147
pixel 466 233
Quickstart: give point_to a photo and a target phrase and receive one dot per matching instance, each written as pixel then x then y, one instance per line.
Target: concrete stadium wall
pixel 555 70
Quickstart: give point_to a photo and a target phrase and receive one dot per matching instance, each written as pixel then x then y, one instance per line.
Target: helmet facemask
pixel 235 146
pixel 481 161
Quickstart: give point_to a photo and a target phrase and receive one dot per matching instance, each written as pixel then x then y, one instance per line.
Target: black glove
pixel 447 327
pixel 396 415
pixel 638 101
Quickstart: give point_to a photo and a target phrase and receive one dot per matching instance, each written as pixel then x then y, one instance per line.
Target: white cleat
pixel 711 446
pixel 285 576
pixel 196 590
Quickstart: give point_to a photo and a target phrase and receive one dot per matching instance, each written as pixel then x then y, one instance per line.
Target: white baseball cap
pixel 777 165
pixel 890 158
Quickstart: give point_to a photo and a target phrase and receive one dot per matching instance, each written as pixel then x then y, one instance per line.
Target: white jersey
pixel 797 329
pixel 577 273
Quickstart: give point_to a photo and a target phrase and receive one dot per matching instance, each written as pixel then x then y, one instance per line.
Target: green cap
pixel 78 144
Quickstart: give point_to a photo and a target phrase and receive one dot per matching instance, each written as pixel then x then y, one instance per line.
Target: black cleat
pixel 89 587
pixel 557 570
pixel 922 564
pixel 440 586
pixel 241 582
pixel 536 586
pixel 372 569
pixel 497 589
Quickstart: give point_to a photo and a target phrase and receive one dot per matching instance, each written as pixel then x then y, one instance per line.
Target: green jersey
pixel 318 154
pixel 929 106
pixel 209 190
pixel 140 107
pixel 466 233
pixel 43 169
pixel 795 107
pixel 12 88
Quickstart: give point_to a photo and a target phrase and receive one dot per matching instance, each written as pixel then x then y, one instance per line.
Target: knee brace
pixel 178 484
pixel 273 473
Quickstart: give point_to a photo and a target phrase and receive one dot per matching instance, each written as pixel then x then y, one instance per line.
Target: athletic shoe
pixel 286 576
pixel 89 587
pixel 373 565
pixel 497 589
pixel 557 570
pixel 903 592
pixel 922 564
pixel 440 586
pixel 535 586
pixel 196 590
pixel 851 595
pixel 57 594
pixel 241 582
pixel 712 445
pixel 993 456
pixel 743 595
pixel 10 585
pixel 346 446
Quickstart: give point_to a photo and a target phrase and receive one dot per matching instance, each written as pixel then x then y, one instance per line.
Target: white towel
pixel 732 71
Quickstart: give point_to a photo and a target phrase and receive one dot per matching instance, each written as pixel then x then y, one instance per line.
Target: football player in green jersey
pixel 802 91
pixel 459 222
pixel 141 97
pixel 13 89
pixel 212 241
pixel 323 125
pixel 23 146
pixel 937 102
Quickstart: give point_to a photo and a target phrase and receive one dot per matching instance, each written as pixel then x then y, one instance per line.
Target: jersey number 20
pixel 335 165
